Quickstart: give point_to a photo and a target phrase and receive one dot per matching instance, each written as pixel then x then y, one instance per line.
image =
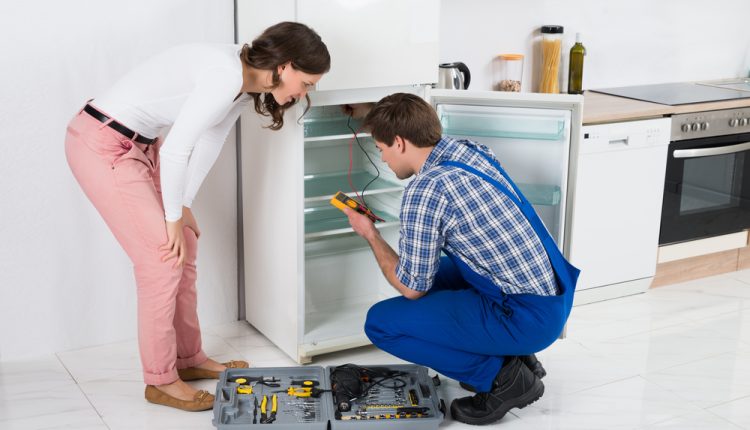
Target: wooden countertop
pixel 602 108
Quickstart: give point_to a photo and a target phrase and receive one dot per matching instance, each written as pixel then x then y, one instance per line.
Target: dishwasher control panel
pixel 624 135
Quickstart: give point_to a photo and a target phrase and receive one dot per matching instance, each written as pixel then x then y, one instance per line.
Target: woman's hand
pixel 175 242
pixel 188 220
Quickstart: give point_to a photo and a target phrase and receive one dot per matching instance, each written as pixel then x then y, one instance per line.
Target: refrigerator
pixel 309 279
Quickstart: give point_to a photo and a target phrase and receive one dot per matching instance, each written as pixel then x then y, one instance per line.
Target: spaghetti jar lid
pixel 552 29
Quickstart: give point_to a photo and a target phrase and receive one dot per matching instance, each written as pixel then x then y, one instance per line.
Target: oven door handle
pixel 707 152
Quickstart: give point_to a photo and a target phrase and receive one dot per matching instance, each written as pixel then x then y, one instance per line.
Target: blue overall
pixel 465 325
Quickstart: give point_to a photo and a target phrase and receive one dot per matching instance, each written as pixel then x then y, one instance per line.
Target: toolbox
pixel 336 397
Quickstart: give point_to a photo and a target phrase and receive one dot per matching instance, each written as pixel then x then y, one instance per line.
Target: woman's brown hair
pixel 285 42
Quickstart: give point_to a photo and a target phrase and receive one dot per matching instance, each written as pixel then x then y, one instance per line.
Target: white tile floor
pixel 676 357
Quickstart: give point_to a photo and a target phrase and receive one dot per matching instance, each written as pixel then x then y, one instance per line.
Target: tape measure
pixel 341 200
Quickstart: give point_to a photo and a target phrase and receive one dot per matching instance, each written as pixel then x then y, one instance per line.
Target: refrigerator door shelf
pixel 487 122
pixel 540 194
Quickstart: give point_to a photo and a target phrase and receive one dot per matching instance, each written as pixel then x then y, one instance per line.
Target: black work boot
pixel 534 365
pixel 529 360
pixel 515 386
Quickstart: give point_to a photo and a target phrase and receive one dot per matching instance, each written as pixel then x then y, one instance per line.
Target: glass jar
pixel 551 52
pixel 509 72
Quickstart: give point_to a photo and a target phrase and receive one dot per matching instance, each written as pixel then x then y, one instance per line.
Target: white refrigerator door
pixel 531 135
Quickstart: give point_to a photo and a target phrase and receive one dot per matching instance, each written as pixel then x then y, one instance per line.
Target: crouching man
pixel 503 290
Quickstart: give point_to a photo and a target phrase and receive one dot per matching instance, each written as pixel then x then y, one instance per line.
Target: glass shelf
pixel 335 140
pixel 504 126
pixel 324 186
pixel 327 221
pixel 329 126
pixel 542 195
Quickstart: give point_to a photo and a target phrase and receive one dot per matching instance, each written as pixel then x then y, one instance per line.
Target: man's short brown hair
pixel 404 115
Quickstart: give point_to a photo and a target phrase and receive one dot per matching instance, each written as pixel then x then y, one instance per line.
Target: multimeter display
pixel 341 200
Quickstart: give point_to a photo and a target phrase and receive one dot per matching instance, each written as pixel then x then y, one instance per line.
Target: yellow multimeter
pixel 341 200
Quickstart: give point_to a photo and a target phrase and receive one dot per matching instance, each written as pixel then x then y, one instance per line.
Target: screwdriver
pixel 303 392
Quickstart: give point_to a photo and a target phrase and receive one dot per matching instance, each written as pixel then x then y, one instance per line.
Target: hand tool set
pixel 337 397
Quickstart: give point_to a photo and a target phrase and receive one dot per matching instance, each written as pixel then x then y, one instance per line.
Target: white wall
pixel 628 42
pixel 64 281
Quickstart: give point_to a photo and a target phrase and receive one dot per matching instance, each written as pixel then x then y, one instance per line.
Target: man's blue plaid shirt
pixel 449 208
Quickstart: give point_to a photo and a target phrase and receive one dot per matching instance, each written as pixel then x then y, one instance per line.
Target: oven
pixel 707 183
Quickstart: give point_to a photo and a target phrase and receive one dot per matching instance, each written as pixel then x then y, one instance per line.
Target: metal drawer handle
pixel 707 152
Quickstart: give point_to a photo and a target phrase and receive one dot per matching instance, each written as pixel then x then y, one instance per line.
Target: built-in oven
pixel 707 184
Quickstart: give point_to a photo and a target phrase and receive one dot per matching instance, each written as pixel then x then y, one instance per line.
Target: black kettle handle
pixel 467 74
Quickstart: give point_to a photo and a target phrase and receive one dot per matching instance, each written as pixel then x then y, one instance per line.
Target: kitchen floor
pixel 676 357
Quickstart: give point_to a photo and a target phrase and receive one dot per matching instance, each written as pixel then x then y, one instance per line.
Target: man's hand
pixel 188 220
pixel 361 224
pixel 357 110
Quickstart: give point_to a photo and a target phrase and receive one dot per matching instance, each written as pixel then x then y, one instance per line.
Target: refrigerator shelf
pixel 333 140
pixel 326 221
pixel 340 318
pixel 329 126
pixel 320 187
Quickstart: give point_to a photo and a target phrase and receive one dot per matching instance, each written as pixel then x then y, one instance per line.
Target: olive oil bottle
pixel 575 72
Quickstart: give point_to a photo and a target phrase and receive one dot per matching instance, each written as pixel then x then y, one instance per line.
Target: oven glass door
pixel 707 188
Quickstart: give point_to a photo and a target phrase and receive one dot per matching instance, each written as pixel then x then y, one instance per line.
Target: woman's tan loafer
pixel 202 400
pixel 193 373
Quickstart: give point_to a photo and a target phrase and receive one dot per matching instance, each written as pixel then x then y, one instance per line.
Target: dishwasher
pixel 617 191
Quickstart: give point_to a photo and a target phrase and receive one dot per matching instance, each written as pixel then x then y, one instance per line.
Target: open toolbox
pixel 335 397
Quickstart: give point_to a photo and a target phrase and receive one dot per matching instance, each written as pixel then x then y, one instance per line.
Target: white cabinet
pixel 619 183
pixel 309 279
pixel 373 43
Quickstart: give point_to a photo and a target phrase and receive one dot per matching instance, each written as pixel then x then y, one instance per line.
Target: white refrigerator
pixel 309 279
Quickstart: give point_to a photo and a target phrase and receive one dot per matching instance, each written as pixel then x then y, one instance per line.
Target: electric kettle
pixel 453 76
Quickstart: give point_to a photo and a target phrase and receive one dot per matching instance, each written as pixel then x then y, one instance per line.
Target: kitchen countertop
pixel 602 108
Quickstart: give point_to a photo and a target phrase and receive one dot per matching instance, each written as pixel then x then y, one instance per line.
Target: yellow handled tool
pixel 274 408
pixel 245 389
pixel 341 200
pixel 263 410
pixel 303 391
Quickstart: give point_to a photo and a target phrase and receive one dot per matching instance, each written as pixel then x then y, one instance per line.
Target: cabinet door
pixel 254 16
pixel 376 43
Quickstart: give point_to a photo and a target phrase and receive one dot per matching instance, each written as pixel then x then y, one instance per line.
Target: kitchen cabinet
pixel 376 43
pixel 309 279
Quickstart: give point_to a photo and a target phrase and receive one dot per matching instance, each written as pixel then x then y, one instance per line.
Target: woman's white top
pixel 192 89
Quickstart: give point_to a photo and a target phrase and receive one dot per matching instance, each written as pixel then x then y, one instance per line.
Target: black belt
pixel 117 126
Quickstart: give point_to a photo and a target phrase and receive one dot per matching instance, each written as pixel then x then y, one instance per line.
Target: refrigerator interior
pixel 532 146
pixel 335 309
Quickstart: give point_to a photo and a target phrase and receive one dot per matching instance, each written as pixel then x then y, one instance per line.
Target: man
pixel 503 292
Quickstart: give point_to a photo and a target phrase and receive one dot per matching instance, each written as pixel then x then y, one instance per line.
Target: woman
pixel 115 153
